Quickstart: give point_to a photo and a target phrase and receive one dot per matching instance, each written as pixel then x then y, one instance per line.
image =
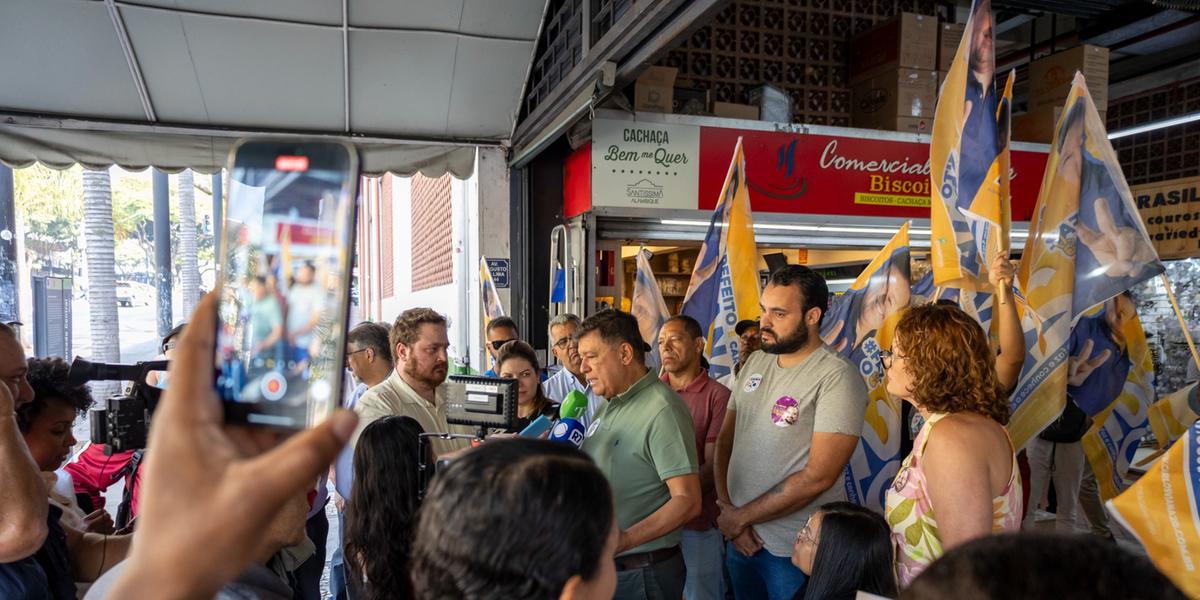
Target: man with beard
pixel 416 388
pixel 793 421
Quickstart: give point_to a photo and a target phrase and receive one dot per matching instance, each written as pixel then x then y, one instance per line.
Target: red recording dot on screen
pixel 291 163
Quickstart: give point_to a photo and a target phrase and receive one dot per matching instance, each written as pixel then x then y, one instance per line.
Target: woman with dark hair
pixel 962 468
pixel 382 511
pixel 845 549
pixel 517 360
pixel 517 519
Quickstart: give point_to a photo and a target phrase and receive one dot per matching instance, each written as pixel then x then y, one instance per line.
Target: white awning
pixel 172 83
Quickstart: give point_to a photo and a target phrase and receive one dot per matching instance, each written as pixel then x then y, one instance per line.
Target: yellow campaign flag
pixel 1117 431
pixel 1162 509
pixel 968 155
pixel 724 285
pixel 1173 415
pixel 860 323
pixel 1086 245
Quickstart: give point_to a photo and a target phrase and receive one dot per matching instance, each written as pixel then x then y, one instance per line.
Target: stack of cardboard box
pixel 1049 85
pixel 949 36
pixel 893 76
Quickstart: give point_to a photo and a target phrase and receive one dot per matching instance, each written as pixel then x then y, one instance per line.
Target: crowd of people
pixel 684 486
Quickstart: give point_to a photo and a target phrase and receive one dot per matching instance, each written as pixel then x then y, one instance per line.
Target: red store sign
pixel 818 174
pixel 839 175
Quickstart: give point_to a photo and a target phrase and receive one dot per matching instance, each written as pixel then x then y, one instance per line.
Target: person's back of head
pixel 381 512
pixel 1037 566
pixel 854 553
pixel 516 519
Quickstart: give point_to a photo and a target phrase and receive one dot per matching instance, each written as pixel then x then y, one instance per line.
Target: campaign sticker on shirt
pixel 752 382
pixel 592 427
pixel 785 413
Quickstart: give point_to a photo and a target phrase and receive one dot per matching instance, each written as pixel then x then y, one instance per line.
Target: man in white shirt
pixel 570 377
pixel 417 386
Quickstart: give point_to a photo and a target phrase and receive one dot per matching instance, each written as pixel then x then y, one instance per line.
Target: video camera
pixel 124 421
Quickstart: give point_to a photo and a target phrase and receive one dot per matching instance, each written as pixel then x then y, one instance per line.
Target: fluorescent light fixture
pixel 820 228
pixel 1173 121
pixel 839 281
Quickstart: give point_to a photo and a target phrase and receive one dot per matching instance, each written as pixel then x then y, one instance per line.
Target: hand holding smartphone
pixel 285 269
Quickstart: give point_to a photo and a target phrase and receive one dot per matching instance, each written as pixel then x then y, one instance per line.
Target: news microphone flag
pixel 1086 244
pixel 1118 429
pixel 859 324
pixel 724 285
pixel 1162 509
pixel 648 306
pixel 968 161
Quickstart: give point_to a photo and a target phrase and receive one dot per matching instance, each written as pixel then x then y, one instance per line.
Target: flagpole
pixel 1182 323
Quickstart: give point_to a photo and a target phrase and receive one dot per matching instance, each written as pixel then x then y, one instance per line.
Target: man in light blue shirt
pixel 570 377
pixel 369 359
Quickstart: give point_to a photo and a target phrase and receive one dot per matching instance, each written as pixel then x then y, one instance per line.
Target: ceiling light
pixel 1173 121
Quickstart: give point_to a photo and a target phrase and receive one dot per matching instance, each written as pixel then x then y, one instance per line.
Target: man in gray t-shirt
pixel 794 419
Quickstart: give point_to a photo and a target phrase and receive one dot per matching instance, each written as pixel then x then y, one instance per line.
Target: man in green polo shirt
pixel 643 441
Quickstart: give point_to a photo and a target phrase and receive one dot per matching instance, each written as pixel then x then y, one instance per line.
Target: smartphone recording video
pixel 285 281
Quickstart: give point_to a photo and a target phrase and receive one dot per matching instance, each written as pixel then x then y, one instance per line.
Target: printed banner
pixel 1173 415
pixel 1171 214
pixel 860 322
pixel 1162 509
pixel 1115 385
pixel 968 152
pixel 724 285
pixel 1086 245
pixel 648 306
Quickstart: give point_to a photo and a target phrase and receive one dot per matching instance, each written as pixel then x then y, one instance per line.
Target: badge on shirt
pixel 752 382
pixel 592 428
pixel 785 413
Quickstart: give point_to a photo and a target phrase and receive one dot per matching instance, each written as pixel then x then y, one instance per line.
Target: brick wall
pixel 432 232
pixel 797 46
pixel 387 263
pixel 1170 153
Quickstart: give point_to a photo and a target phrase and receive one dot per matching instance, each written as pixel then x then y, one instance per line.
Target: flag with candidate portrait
pixel 861 322
pixel 1118 428
pixel 648 306
pixel 1162 509
pixel 1086 245
pixel 1171 416
pixel 724 285
pixel 969 210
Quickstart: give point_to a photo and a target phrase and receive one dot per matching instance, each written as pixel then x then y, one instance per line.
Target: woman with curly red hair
pixel 961 480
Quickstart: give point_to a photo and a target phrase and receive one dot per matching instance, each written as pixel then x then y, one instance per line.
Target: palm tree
pixel 102 277
pixel 189 277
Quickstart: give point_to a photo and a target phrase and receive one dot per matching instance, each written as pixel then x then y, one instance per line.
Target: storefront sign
pixel 838 175
pixel 640 164
pixel 1171 212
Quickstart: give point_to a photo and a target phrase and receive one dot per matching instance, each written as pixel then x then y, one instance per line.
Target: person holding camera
pixel 94 471
pixel 77 547
pixel 642 439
